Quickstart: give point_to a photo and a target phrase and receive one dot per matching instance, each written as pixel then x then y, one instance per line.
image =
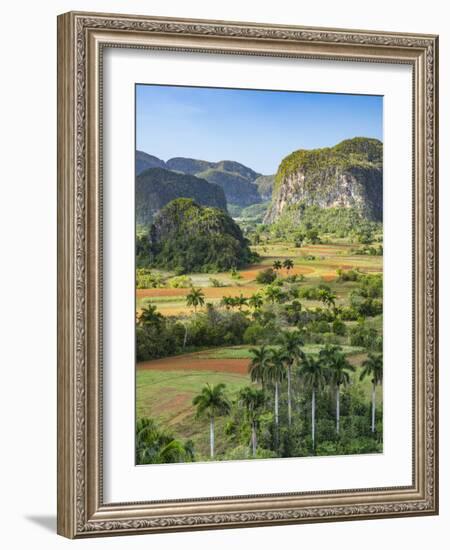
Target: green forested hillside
pixel 186 236
pixel 156 187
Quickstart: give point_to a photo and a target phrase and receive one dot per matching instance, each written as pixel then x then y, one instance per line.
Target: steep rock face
pixel 156 187
pixel 347 175
pixel 265 186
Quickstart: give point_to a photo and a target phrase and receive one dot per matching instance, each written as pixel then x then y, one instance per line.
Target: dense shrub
pixel 181 281
pixel 362 335
pixel 146 278
pixel 266 276
pixel 161 337
pixel 339 327
pixel 350 275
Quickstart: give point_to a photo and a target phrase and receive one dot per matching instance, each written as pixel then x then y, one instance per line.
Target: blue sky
pixel 255 127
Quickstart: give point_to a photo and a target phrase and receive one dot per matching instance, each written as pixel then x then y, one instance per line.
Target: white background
pixel 28 297
pixel 123 482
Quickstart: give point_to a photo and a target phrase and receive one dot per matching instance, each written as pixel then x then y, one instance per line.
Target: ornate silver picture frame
pixel 82 40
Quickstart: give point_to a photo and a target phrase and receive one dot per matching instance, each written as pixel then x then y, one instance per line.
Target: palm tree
pixel 314 377
pixel 291 346
pixel 327 297
pixel 241 301
pixel 256 301
pixel 150 316
pixel 258 364
pixel 212 402
pixel 293 312
pixel 228 301
pixel 339 372
pixel 373 367
pixel 154 446
pixel 253 400
pixel 288 264
pixel 277 265
pixel 273 294
pixel 294 292
pixel 195 298
pixel 275 373
pixel 185 325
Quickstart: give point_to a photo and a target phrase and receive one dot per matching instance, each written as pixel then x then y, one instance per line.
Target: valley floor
pixel 166 387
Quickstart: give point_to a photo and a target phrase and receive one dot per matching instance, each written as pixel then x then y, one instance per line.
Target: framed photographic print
pixel 247 284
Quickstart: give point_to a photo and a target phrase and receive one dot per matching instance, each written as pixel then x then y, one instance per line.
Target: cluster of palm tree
pixel 273 293
pixel 196 298
pixel 287 264
pixel 255 301
pixel 213 402
pixel 271 367
pixel 231 302
pixel 330 368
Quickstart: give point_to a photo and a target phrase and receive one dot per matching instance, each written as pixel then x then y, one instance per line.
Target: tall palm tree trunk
pixel 289 395
pixel 276 404
pixel 338 408
pixel 211 436
pixel 276 415
pixel 313 417
pixel 373 407
pixel 253 439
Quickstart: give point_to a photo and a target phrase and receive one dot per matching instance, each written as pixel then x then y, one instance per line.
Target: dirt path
pixel 356 360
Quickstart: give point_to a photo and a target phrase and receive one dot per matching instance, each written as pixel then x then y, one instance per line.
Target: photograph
pixel 247 280
pixel 259 274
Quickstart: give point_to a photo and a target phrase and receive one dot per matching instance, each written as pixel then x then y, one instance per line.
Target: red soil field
pixel 209 292
pixel 328 277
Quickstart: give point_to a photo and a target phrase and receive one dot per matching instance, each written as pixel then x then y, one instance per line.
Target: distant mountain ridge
pixel 144 161
pixel 349 175
pixel 156 187
pixel 240 183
